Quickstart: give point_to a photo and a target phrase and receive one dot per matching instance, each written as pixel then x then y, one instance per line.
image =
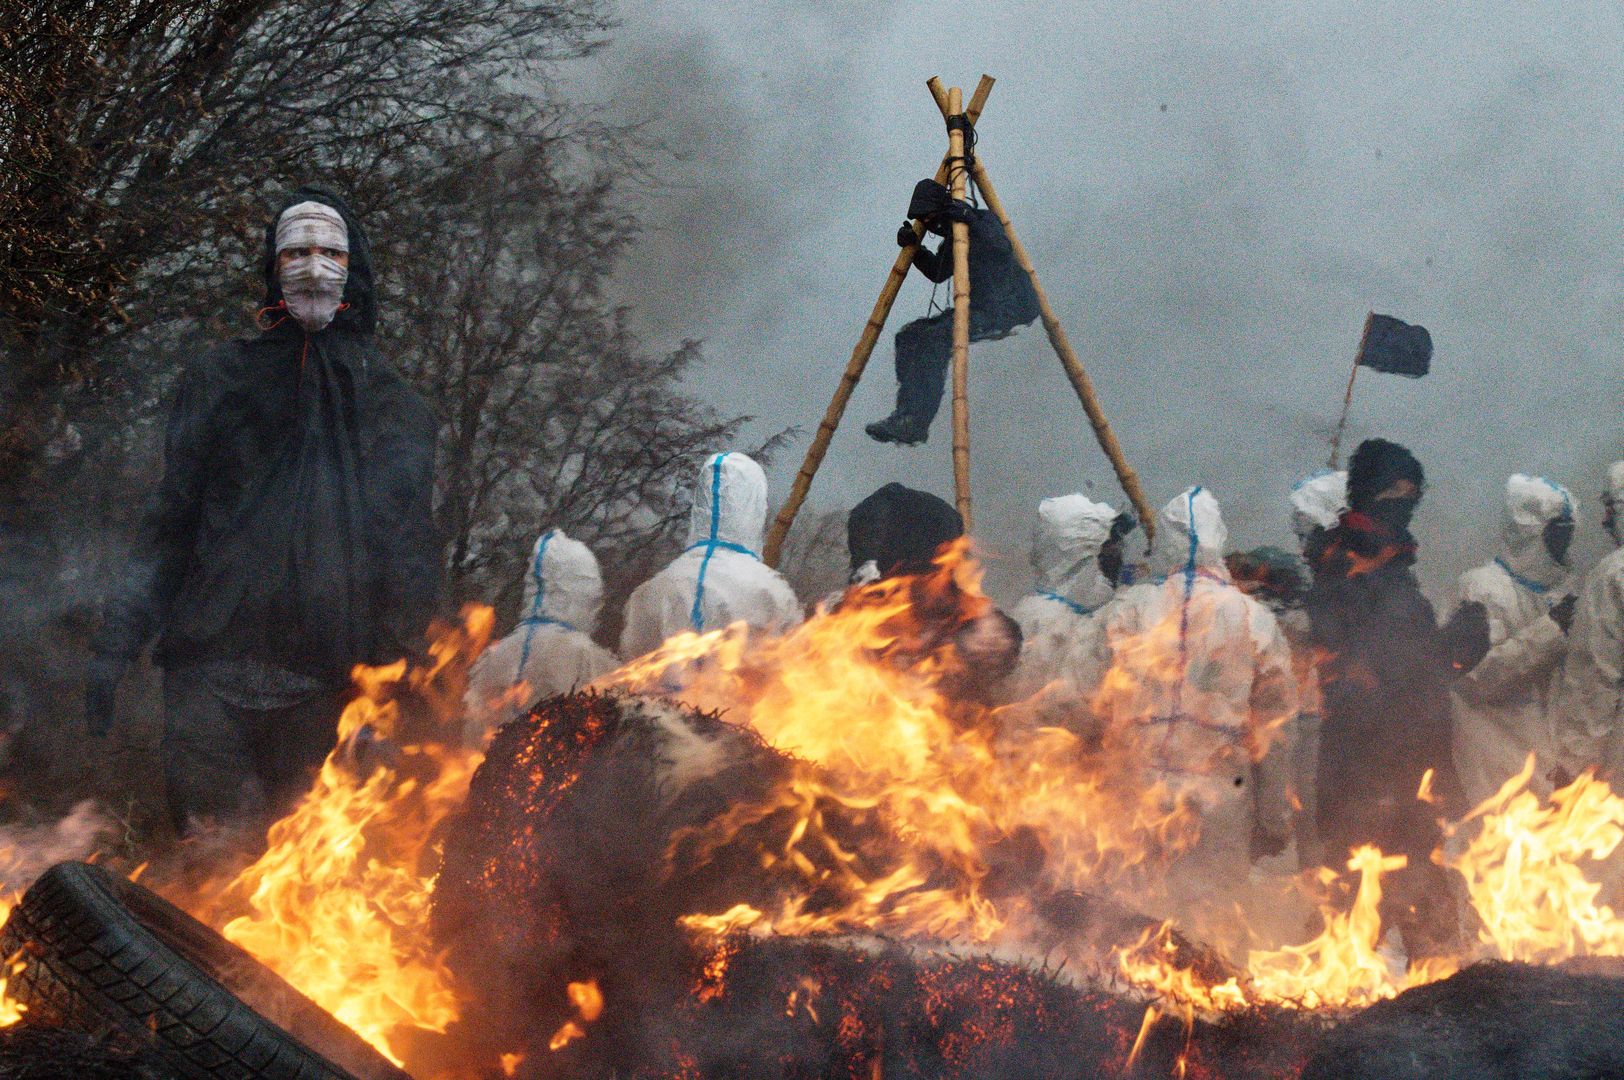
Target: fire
pixel 338 904
pixel 11 1010
pixel 1344 965
pixel 587 1000
pixel 1525 870
pixel 857 696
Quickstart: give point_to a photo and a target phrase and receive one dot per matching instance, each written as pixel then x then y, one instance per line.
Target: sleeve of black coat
pixel 936 265
pixel 403 541
pixel 167 534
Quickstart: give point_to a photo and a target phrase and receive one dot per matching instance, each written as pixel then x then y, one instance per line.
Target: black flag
pixel 1395 347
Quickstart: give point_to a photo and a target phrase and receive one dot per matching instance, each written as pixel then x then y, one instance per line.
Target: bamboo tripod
pixel 955 170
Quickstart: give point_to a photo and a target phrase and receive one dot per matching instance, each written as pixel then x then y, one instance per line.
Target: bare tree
pixel 140 138
pixel 554 416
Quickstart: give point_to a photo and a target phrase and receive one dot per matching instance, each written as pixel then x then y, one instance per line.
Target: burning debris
pixel 810 855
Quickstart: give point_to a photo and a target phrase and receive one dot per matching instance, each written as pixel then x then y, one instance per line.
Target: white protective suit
pixel 1059 621
pixel 1201 694
pixel 720 579
pixel 551 651
pixel 1501 704
pixel 1588 714
pixel 1317 503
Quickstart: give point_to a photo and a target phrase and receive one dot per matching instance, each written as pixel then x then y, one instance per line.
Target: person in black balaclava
pixel 898 532
pixel 1002 298
pixel 1385 672
pixel 290 539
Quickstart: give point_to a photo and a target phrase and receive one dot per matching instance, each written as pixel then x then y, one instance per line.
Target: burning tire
pixel 105 955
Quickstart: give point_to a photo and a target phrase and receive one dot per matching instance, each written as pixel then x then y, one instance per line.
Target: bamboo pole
pixel 1347 396
pixel 1080 381
pixel 958 173
pixel 855 366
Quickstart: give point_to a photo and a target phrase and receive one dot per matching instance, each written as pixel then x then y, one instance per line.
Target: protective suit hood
pixel 1317 501
pixel 360 311
pixel 1615 481
pixel 730 503
pixel 1066 545
pixel 1192 534
pixel 1532 502
pixel 563 583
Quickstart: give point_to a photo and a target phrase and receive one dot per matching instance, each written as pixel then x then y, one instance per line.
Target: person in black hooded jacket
pixel 1385 667
pixel 290 539
pixel 899 532
pixel 1001 294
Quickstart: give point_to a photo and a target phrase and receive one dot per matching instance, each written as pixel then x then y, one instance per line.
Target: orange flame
pixel 857 695
pixel 1525 869
pixel 338 904
pixel 587 1001
pixel 11 1010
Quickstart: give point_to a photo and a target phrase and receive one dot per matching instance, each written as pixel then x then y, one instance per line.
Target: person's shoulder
pixel 1482 580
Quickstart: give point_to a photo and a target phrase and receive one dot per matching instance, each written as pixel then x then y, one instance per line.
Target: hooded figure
pixel 1200 693
pixel 551 651
pixel 1588 714
pixel 898 532
pixel 1060 619
pixel 291 537
pixel 1003 299
pixel 1501 703
pixel 1385 668
pixel 720 579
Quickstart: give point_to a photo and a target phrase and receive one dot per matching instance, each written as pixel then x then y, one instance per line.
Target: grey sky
pixel 1457 165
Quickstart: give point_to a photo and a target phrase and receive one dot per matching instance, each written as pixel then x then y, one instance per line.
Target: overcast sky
pixel 1214 195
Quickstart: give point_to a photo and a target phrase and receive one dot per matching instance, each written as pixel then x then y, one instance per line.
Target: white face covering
pixel 312 288
pixel 312 285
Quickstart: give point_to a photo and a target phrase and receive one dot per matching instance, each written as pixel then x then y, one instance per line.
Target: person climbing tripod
pixel 1004 300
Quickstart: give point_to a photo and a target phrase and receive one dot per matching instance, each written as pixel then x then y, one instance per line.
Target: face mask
pixel 1395 513
pixel 312 289
pixel 1558 537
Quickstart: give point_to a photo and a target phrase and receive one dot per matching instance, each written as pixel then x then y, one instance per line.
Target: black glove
pixel 958 210
pixel 101 692
pixel 1562 612
pixel 1467 634
pixel 906 237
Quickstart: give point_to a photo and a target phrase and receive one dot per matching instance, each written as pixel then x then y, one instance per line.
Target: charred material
pixel 584 840
pixel 29 1052
pixel 831 1008
pixel 599 821
pixel 1493 1021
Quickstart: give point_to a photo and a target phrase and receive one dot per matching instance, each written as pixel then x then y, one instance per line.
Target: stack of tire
pixel 104 956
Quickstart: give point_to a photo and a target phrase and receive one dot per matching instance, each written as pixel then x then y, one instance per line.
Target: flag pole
pixel 1347 397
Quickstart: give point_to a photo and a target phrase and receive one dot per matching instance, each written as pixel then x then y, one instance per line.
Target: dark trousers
pixel 924 348
pixel 224 763
pixel 1361 805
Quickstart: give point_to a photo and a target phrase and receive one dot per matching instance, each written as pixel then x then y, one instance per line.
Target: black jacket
pixel 1385 668
pixel 1001 294
pixel 293 525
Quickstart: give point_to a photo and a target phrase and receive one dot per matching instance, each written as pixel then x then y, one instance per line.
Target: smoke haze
pixel 1214 196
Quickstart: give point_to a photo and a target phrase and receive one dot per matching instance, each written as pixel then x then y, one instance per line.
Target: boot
pixel 900 427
